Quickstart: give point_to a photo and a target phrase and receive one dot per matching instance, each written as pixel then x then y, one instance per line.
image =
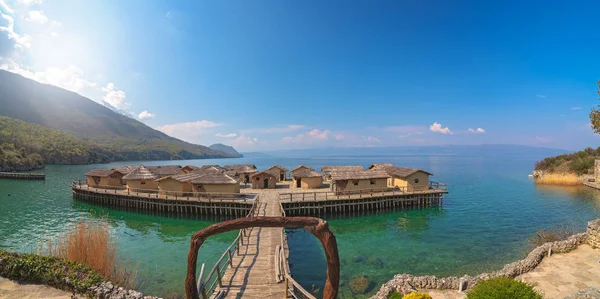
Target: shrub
pixel 360 284
pixel 89 243
pixel 417 295
pixel 501 288
pixel 556 233
pixel 48 270
pixel 395 295
pixel 582 165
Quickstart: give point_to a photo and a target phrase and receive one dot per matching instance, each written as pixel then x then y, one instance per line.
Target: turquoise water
pixel 491 210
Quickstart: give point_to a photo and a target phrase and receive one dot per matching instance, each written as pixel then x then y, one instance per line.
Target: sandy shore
pixel 14 290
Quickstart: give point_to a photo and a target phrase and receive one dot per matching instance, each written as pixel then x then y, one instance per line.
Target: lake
pixel 491 210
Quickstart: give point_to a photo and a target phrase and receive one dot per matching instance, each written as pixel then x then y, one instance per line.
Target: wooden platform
pixel 253 274
pixel 230 207
pixel 22 176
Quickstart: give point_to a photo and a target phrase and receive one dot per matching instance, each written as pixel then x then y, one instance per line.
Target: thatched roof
pixel 125 169
pixel 206 177
pixel 268 172
pixel 190 167
pixel 102 172
pixel 213 167
pixel 278 166
pixel 241 168
pixel 301 167
pixel 331 168
pixel 141 173
pixel 165 170
pixel 379 166
pixel 359 175
pixel 305 173
pixel 401 172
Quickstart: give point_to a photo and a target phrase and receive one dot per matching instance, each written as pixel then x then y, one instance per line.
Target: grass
pixel 556 233
pixel 49 270
pixel 503 288
pixel 89 243
pixel 567 179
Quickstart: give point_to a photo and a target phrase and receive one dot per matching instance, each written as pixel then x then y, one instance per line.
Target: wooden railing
pixel 153 193
pixel 293 288
pixel 207 286
pixel 438 186
pixel 22 176
pixel 360 193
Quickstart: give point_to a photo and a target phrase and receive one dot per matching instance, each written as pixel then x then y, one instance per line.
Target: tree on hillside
pixel 595 114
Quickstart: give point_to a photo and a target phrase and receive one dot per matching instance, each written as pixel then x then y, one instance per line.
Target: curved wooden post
pixel 318 227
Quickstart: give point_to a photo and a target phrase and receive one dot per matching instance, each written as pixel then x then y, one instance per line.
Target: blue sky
pixel 264 75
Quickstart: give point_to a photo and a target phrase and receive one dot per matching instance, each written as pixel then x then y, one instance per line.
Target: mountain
pixel 73 114
pixel 226 149
pixel 25 146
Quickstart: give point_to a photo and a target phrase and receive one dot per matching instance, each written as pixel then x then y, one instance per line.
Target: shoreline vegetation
pixel 83 261
pixel 552 241
pixel 89 243
pixel 567 169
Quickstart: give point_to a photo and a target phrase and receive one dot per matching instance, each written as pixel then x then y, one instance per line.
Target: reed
pixel 89 242
pixel 569 179
pixel 558 232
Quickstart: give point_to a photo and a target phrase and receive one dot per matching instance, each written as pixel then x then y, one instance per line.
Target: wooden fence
pixel 22 176
pixel 433 187
pixel 177 195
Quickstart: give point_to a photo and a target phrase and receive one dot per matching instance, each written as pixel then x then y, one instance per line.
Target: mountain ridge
pixel 226 149
pixel 56 108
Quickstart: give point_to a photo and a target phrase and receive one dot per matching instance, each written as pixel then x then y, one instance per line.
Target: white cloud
pixel 146 115
pixel 244 142
pixel 437 128
pixel 70 78
pixel 278 129
pixel 8 26
pixel 477 131
pixel 114 97
pixel 230 135
pixel 373 139
pixel 37 16
pixel 198 132
pixel 5 8
pixel 541 96
pixel 576 108
pixel 31 2
pixel 188 130
pixel 311 137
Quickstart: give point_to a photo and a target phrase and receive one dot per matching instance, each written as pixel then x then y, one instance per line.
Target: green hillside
pixel 56 108
pixel 226 149
pixel 28 146
pixel 581 162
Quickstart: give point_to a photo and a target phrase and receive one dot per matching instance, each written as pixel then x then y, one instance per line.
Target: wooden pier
pixel 22 176
pixel 231 207
pixel 323 203
pixel 253 271
pixel 256 264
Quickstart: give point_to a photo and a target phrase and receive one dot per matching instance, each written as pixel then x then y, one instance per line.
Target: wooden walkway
pixel 253 273
pixel 22 176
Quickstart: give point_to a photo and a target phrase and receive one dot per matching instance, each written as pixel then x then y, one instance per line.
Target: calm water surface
pixel 491 210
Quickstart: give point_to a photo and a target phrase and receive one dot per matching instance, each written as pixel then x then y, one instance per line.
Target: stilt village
pixel 255 265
